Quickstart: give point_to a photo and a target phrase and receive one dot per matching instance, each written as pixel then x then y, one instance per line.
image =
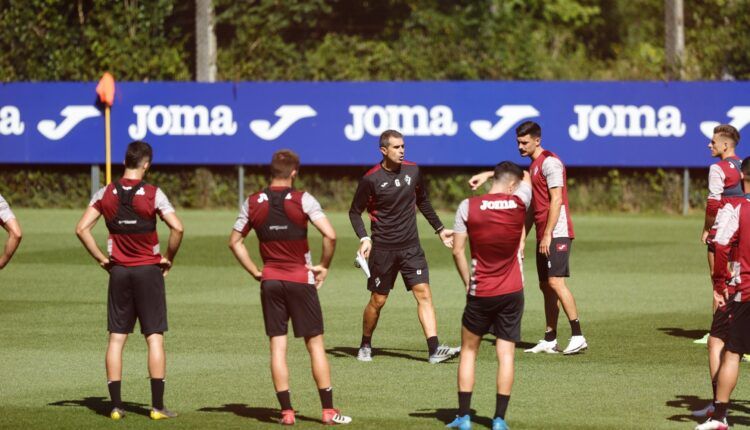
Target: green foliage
pixel 589 190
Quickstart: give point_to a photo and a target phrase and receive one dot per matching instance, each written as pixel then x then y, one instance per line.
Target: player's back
pixel 278 217
pixel 495 225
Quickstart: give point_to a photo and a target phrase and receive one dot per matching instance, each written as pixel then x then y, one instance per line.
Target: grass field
pixel 641 284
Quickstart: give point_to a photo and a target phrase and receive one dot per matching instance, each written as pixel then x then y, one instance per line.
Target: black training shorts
pixel 386 264
pixel 721 322
pixel 557 265
pixel 738 339
pixel 136 293
pixel 499 315
pixel 282 300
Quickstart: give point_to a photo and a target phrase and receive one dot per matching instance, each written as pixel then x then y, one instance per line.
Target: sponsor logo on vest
pixel 73 115
pixel 407 178
pixel 627 121
pixel 288 115
pixel 127 221
pixel 414 120
pixel 278 227
pixel 182 120
pixel 10 121
pixel 509 116
pixel 262 198
pixel 740 118
pixel 384 184
pixel 498 204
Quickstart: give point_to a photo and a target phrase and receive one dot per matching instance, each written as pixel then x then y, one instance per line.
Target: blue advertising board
pixel 617 124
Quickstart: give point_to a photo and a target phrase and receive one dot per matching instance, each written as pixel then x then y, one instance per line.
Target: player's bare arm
pixel 459 258
pixel 555 205
pixel 480 178
pixel 83 231
pixel 329 246
pixel 11 244
pixel 237 246
pixel 176 232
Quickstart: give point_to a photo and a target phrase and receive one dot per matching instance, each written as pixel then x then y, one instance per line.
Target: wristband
pixel 365 238
pixel 441 228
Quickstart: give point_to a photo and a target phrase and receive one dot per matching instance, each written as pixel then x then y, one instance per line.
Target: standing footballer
pixel 9 222
pixel 390 192
pixel 136 269
pixel 289 282
pixel 494 225
pixel 733 230
pixel 724 187
pixel 554 235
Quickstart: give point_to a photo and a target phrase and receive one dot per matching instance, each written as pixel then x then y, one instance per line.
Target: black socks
pixel 157 393
pixel 366 341
pixel 464 403
pixel 114 393
pixel 720 411
pixel 285 400
pixel 326 397
pixel 501 405
pixel 575 327
pixel 549 336
pixel 432 344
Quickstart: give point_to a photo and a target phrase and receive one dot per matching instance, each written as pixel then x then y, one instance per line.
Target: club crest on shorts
pixel 419 271
pixel 377 281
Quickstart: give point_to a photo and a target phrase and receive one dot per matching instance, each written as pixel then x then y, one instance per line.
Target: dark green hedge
pixel 590 190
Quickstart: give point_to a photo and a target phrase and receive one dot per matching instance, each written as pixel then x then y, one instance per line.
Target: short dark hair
pixel 385 137
pixel 138 152
pixel 506 170
pixel 284 161
pixel 729 131
pixel 529 127
pixel 746 169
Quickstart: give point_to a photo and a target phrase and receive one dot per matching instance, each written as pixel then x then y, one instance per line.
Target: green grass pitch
pixel 641 284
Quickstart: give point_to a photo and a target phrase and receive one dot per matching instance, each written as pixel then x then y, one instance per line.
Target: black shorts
pixel 738 339
pixel 385 265
pixel 136 293
pixel 557 265
pixel 499 315
pixel 282 300
pixel 721 322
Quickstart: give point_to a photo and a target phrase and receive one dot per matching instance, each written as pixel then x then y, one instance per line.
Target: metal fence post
pixel 685 191
pixel 94 179
pixel 241 185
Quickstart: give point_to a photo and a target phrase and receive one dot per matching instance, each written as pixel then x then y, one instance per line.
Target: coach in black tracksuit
pixel 391 192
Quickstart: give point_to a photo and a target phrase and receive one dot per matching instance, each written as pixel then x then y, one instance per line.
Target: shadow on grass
pixel 519 345
pixel 681 332
pixel 447 415
pixel 694 403
pixel 264 415
pixel 102 405
pixel 347 351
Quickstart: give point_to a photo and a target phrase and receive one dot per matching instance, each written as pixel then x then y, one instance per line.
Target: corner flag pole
pixel 107 145
pixel 106 91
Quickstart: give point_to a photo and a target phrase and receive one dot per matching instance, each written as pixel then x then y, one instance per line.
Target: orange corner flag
pixel 106 89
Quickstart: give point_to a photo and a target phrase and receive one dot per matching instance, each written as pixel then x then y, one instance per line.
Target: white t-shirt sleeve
pixel 524 193
pixel 716 179
pixel 311 207
pixel 98 196
pixel 727 223
pixel 5 213
pixel 162 203
pixel 462 215
pixel 552 169
pixel 243 217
